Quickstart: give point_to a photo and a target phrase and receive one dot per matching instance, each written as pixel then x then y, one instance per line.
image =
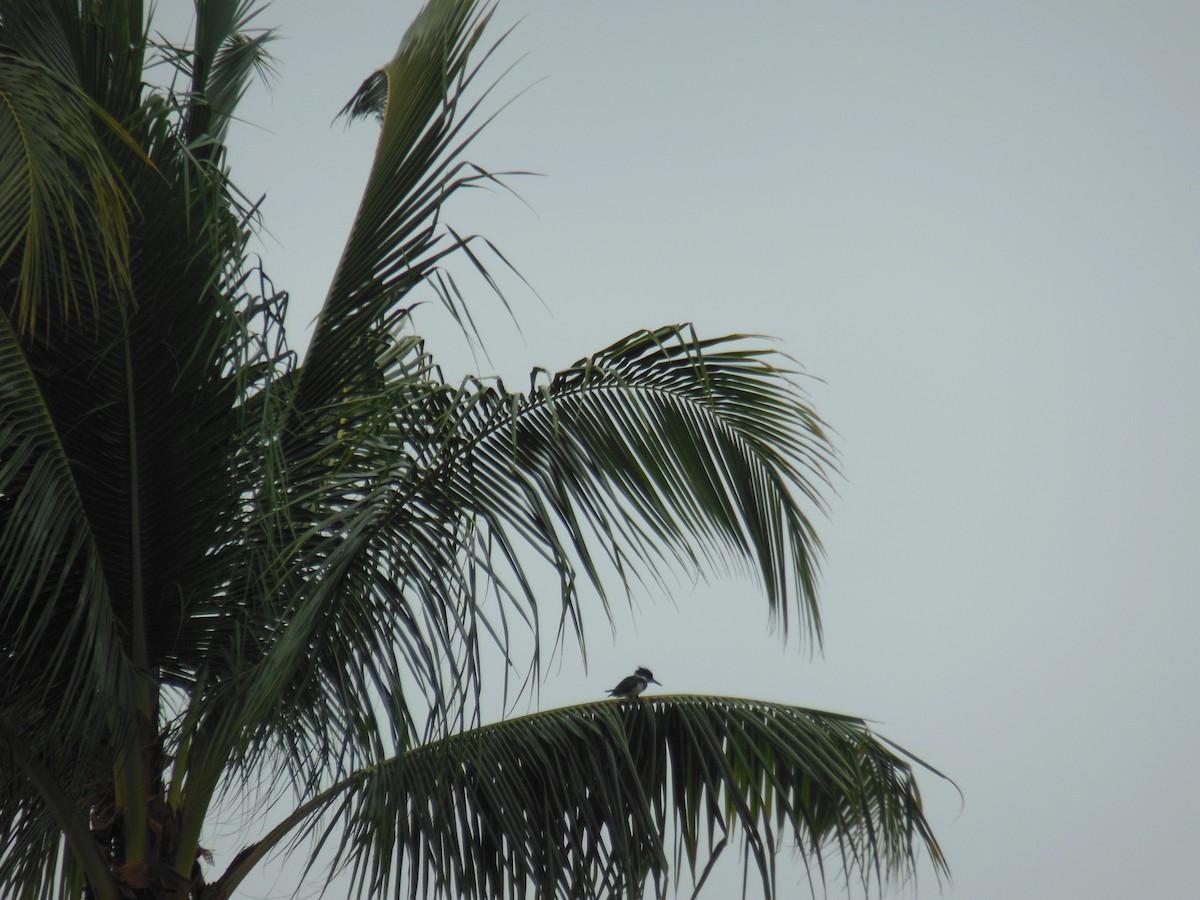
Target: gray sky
pixel 978 224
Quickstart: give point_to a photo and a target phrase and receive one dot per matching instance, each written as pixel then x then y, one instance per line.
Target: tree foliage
pixel 222 565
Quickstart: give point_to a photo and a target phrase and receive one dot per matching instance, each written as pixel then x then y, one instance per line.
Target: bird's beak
pixel 656 681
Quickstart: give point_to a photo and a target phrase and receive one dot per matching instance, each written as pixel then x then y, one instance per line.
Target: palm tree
pixel 222 566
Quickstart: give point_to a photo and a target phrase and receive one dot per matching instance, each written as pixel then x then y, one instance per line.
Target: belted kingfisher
pixel 635 683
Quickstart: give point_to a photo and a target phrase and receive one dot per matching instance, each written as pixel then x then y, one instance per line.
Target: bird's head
pixel 643 672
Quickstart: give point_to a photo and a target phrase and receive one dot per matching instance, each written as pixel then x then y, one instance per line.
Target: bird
pixel 634 684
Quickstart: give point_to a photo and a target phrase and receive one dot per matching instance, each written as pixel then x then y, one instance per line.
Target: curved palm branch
pixel 397 239
pixel 598 800
pixel 647 445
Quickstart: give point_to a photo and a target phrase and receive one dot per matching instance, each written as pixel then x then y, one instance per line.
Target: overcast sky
pixel 978 224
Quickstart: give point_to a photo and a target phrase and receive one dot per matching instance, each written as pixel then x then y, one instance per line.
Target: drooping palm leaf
pixel 580 802
pixel 63 209
pixel 647 445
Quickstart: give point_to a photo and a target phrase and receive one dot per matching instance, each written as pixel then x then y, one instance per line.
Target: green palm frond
pixel 226 54
pixel 63 206
pixel 416 489
pixel 640 449
pixel 602 799
pixel 397 239
pixel 51 840
pixel 97 47
pixel 58 610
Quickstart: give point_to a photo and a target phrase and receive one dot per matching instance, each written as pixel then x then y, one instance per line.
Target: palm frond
pixel 127 427
pixel 96 47
pixel 397 239
pixel 61 642
pixel 226 54
pixel 32 857
pixel 637 451
pixel 601 800
pixel 63 206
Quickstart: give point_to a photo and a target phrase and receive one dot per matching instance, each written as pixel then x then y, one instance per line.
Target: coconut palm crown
pixel 222 566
